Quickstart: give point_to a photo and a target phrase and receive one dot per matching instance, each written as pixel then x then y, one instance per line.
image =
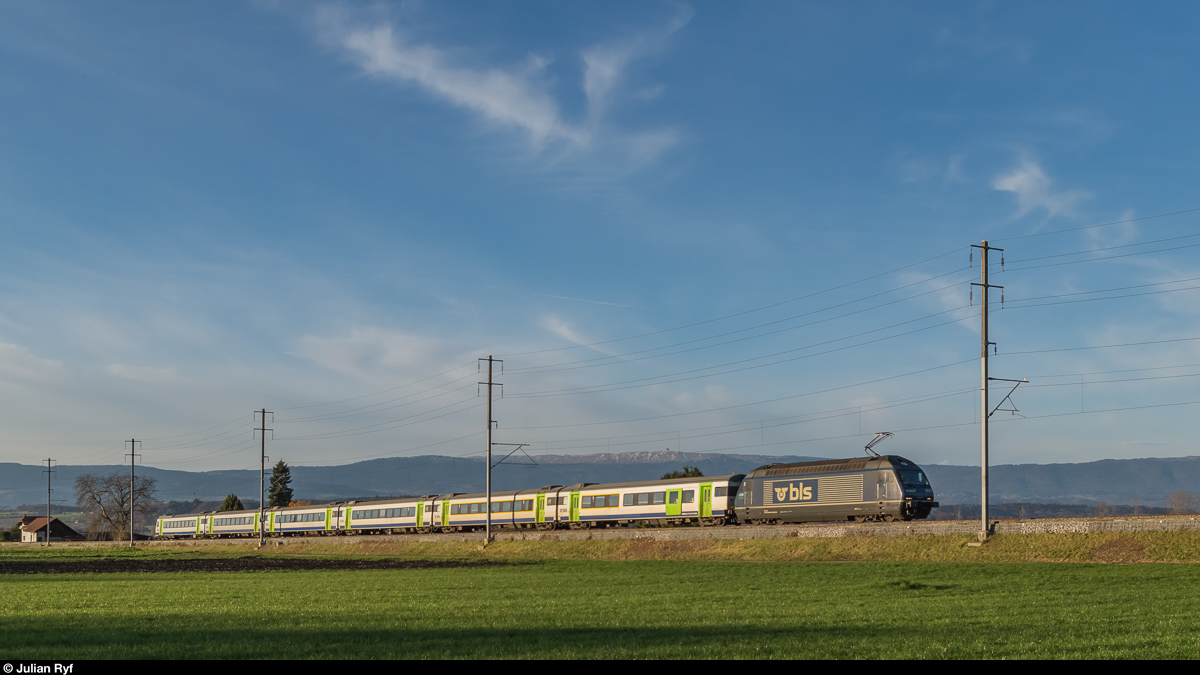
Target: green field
pixel 634 607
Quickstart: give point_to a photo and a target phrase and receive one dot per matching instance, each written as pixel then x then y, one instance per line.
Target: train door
pixel 674 502
pixel 445 512
pixel 706 500
pixel 885 486
pixel 421 514
pixel 539 509
pixel 574 515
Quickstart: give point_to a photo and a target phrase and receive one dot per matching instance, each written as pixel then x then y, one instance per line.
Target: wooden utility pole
pixel 985 412
pixel 132 495
pixel 49 472
pixel 262 473
pixel 490 424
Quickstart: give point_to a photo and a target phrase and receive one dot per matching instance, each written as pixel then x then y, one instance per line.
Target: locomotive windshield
pixel 913 478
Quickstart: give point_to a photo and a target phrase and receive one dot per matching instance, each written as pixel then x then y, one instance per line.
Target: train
pixel 880 489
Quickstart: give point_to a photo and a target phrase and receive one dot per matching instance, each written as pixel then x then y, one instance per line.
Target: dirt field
pixel 228 565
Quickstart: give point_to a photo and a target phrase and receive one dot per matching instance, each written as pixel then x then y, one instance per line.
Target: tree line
pixel 104 500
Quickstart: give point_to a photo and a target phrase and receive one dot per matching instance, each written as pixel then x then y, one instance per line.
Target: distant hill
pixel 1112 481
pixel 1127 481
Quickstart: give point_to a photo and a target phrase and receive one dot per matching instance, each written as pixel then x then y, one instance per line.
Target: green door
pixel 445 513
pixel 706 500
pixel 421 514
pixel 675 502
pixel 539 512
pixel 574 507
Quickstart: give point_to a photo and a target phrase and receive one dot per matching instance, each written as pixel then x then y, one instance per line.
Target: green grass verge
pixel 1105 547
pixel 614 609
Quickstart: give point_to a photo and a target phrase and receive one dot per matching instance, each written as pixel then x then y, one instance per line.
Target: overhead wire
pixel 737 314
pixel 623 358
pixel 658 379
pixel 1091 227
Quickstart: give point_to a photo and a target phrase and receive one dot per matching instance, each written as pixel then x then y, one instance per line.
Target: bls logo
pixel 793 492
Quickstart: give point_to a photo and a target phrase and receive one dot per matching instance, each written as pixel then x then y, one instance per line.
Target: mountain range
pixel 1146 481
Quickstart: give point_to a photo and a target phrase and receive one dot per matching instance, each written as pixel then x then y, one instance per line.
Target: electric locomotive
pixel 881 488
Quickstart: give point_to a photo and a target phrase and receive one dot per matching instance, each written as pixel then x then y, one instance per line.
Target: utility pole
pixel 490 424
pixel 262 473
pixel 132 456
pixel 49 471
pixel 983 356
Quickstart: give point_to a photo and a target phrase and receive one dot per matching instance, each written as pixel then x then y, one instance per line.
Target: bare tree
pixel 1181 502
pixel 105 501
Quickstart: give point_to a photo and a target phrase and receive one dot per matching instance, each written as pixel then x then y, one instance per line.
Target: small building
pixel 33 529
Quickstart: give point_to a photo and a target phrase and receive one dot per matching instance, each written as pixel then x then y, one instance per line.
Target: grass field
pixel 617 608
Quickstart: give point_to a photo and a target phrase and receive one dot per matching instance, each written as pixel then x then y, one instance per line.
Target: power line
pixel 623 358
pixel 1101 259
pixel 1090 227
pixel 737 314
pixel 1112 346
pixel 707 411
pixel 355 398
pixel 646 381
pixel 1107 248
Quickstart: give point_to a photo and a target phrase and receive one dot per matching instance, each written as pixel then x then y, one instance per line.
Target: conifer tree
pixel 232 503
pixel 688 472
pixel 281 478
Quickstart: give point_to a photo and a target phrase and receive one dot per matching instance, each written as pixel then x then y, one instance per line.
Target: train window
pixel 643 498
pixel 720 492
pixel 674 497
pixel 689 496
pixel 658 497
pixel 600 501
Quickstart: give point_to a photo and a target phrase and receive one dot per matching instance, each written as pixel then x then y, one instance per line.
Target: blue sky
pixel 729 227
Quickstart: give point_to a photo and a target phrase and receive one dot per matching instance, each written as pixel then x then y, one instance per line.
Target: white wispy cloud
pixel 17 362
pixel 605 65
pixel 143 374
pixel 563 330
pixel 1035 190
pixel 515 97
pixel 371 352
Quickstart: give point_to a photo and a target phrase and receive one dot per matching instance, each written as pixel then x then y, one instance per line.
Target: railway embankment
pixel 1137 539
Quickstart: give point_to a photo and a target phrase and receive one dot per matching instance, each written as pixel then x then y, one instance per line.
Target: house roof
pixel 57 527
